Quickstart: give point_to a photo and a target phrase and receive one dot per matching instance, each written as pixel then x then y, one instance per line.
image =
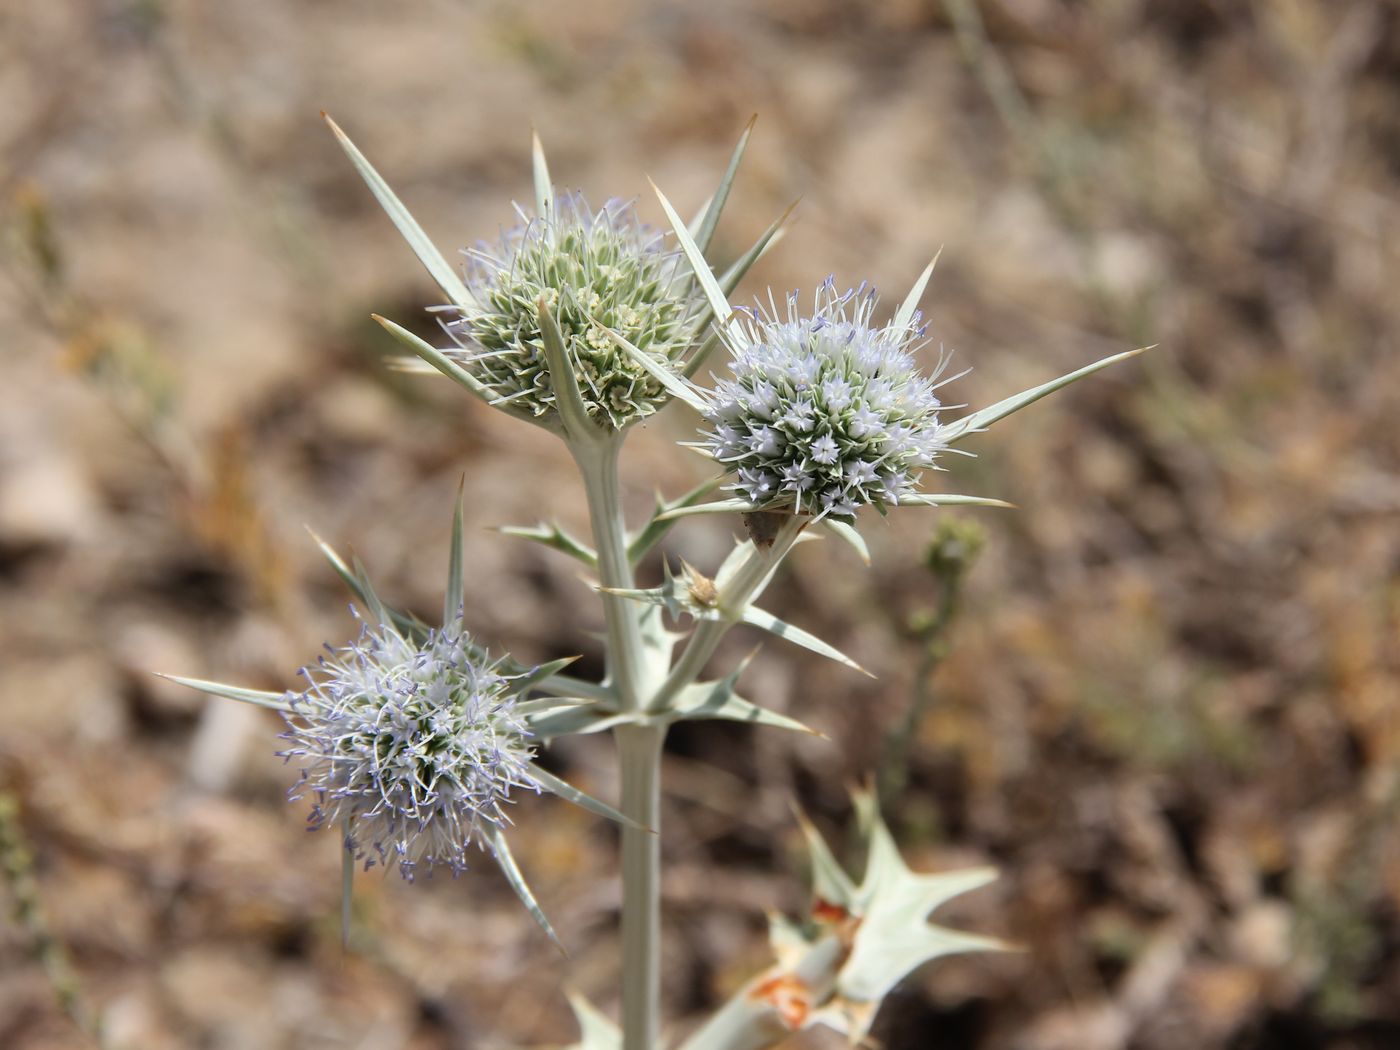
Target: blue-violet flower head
pixel 412 748
pixel 825 413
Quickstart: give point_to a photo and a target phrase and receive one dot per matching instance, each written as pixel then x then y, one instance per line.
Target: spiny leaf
pixel 718 701
pixel 410 626
pixel 578 720
pixel 544 190
pixel 568 399
pixel 377 608
pixel 567 685
pixel 848 533
pixel 656 529
pixel 712 213
pixel 830 882
pixel 455 372
pixel 565 790
pixel 445 276
pixel 501 849
pixel 596 1031
pixel 347 882
pixel 554 537
pixel 727 283
pixel 949 499
pixel 535 677
pixel 543 705
pixel 452 602
pixel 724 506
pixel 905 313
pixel 985 417
pixel 768 622
pixel 723 312
pixel 257 697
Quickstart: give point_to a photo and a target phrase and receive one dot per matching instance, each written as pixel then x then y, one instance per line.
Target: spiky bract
pixel 826 413
pixel 597 271
pixel 412 748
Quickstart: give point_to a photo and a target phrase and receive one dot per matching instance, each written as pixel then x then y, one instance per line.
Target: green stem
pixel 598 465
pixel 639 751
pixel 639 754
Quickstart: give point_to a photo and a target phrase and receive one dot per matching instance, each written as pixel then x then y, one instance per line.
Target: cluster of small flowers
pixel 825 414
pixel 597 271
pixel 413 748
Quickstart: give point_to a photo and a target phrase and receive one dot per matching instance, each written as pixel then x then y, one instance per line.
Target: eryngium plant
pixel 412 740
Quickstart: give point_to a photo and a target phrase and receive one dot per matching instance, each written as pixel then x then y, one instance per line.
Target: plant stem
pixel 639 754
pixel 598 465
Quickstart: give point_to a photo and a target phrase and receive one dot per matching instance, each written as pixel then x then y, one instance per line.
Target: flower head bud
pixel 599 272
pixel 414 748
pixel 827 413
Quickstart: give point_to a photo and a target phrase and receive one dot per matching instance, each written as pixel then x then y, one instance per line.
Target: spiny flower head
pixel 825 413
pixel 597 271
pixel 413 748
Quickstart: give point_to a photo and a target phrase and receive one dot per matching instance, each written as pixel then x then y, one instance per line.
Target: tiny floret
pixel 599 272
pixel 412 748
pixel 825 413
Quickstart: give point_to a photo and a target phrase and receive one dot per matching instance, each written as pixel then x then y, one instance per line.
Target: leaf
pixel 577 720
pixel 544 189
pixel 452 602
pixel 347 882
pixel 568 399
pixel 527 678
pixel 849 534
pixel 706 233
pixel 257 697
pixel 501 850
pixel 566 685
pixel 377 608
pixel 894 903
pixel 985 417
pixel 727 283
pixel 723 312
pixel 409 626
pixel 565 790
pixel 554 537
pixel 658 526
pixel 596 1031
pixel 771 236
pixel 905 313
pixel 767 621
pixel 724 506
pixel 718 701
pixel 455 372
pixel 830 882
pixel 948 499
pixel 445 276
pixel 543 705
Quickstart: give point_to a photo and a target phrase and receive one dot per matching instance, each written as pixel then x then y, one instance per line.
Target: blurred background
pixel 1161 695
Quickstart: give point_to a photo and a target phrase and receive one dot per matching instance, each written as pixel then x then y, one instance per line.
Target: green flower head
pixel 598 272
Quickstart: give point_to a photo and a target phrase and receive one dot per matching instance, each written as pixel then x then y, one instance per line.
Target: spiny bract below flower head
pixel 825 413
pixel 413 748
pixel 597 271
